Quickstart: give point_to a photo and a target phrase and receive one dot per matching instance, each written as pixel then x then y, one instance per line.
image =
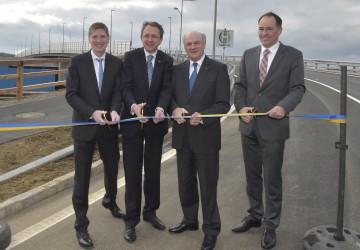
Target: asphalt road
pixel 310 176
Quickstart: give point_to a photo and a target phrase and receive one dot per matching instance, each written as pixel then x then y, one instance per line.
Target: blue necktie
pixel 150 68
pixel 101 73
pixel 193 77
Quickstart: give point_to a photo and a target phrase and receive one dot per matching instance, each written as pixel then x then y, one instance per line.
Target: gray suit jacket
pixel 283 86
pixel 210 95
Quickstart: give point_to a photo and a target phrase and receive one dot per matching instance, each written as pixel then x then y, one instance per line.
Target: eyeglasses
pixel 153 37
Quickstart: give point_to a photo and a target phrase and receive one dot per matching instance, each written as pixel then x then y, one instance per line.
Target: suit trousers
pixel 83 152
pixel 135 154
pixel 206 166
pixel 263 161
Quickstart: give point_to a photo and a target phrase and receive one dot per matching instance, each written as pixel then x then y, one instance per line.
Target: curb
pixel 48 189
pixel 42 192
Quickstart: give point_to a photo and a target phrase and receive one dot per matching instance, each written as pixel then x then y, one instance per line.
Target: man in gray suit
pixel 200 86
pixel 271 82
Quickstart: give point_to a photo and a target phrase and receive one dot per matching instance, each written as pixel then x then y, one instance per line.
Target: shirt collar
pixel 199 62
pixel 95 56
pixel 272 49
pixel 147 53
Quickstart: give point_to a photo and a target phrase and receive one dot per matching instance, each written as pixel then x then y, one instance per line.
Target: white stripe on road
pixel 56 218
pixel 65 213
pixel 334 89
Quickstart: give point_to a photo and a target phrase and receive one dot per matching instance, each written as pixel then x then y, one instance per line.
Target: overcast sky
pixel 322 29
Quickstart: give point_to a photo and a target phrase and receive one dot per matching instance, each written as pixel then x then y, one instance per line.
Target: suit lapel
pixel 184 79
pixel 157 69
pixel 89 65
pixel 276 61
pixel 202 73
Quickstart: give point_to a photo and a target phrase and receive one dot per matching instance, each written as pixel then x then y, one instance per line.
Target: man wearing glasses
pixel 146 91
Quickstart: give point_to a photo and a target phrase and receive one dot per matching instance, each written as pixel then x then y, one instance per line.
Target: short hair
pixel 96 26
pixel 272 14
pixel 154 24
pixel 203 36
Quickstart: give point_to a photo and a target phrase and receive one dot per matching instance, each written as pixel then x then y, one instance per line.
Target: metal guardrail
pixel 327 65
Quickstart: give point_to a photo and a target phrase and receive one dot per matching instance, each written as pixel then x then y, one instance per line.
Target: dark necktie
pixel 263 66
pixel 193 77
pixel 150 68
pixel 101 73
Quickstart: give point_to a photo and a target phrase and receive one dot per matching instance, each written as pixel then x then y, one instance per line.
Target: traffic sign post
pixel 224 38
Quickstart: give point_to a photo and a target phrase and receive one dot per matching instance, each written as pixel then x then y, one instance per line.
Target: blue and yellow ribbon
pixel 335 118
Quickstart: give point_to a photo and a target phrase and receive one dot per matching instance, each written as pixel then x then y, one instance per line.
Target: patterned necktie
pixel 150 68
pixel 101 73
pixel 193 77
pixel 263 66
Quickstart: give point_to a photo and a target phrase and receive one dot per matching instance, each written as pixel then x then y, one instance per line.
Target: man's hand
pixel 138 110
pixel 179 112
pixel 276 112
pixel 114 118
pixel 249 118
pixel 98 116
pixel 195 119
pixel 159 112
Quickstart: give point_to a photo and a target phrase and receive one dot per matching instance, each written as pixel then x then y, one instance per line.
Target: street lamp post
pixel 63 44
pixel 131 34
pixel 31 43
pixel 214 31
pixel 39 42
pixel 181 18
pixel 49 38
pixel 111 28
pixel 170 35
pixel 82 49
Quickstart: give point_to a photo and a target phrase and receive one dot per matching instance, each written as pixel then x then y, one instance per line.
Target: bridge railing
pixel 59 66
pixel 117 47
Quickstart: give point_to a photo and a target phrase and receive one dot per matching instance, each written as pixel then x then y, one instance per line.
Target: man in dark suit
pixel 198 140
pixel 146 91
pixel 93 91
pixel 271 81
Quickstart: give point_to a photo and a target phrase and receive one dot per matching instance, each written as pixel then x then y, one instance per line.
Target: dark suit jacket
pixel 82 93
pixel 210 95
pixel 283 86
pixel 135 88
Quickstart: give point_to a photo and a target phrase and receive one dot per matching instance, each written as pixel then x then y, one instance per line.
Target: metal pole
pixel 170 35
pixel 181 17
pixel 63 44
pixel 342 159
pixel 111 28
pixel 49 39
pixel 131 34
pixel 214 31
pixel 82 49
pixel 39 42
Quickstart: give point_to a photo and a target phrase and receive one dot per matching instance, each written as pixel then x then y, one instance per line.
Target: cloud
pixel 321 29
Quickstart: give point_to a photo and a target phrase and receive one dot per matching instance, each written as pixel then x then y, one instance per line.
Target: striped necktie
pixel 150 68
pixel 101 73
pixel 263 66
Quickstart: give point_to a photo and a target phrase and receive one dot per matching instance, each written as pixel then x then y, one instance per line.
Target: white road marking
pixel 65 213
pixel 334 89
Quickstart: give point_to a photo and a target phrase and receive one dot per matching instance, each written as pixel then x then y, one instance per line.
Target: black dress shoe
pixel 268 240
pixel 84 239
pixel 114 209
pixel 247 223
pixel 209 242
pixel 183 227
pixel 130 234
pixel 155 222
